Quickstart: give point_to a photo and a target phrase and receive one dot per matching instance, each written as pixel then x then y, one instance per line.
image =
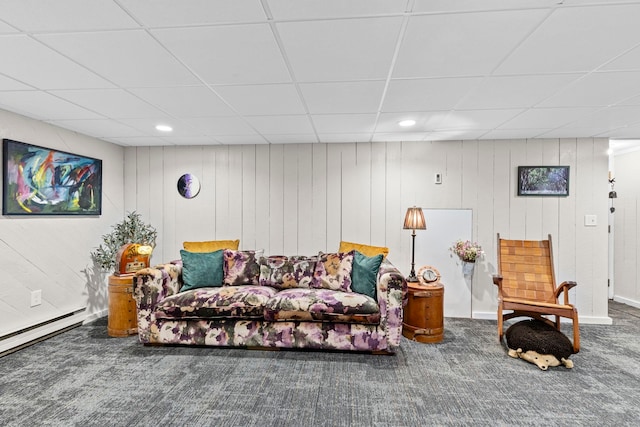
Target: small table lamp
pixel 414 220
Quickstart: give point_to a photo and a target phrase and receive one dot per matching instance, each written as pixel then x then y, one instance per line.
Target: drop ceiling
pixel 292 71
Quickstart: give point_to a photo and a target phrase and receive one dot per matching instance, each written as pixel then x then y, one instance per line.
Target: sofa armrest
pixel 150 286
pixel 392 297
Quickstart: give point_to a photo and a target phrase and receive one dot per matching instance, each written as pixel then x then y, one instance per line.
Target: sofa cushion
pixel 333 271
pixel 364 275
pixel 367 250
pixel 236 302
pixel 211 245
pixel 241 267
pixel 200 269
pixel 322 305
pixel 283 272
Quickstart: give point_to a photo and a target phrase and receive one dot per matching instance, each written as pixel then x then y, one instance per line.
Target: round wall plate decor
pixel 188 186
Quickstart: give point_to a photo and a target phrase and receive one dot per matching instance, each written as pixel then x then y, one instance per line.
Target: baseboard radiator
pixel 28 336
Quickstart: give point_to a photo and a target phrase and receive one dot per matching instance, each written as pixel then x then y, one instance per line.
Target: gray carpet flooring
pixel 85 378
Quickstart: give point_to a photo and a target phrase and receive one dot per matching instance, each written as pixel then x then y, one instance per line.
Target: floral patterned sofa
pixel 317 302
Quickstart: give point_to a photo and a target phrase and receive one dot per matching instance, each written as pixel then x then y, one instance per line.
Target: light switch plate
pixel 590 220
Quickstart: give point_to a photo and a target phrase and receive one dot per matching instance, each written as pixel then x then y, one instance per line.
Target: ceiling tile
pixel 171 13
pixel 350 97
pixel 406 136
pixel 140 141
pixel 190 140
pixel 113 103
pixel 454 135
pixel 263 99
pixel 439 6
pixel 572 133
pixel 185 101
pixel 626 132
pixel 29 62
pixel 344 137
pixel 427 94
pixel 62 15
pixel 439 45
pixel 285 124
pixel 235 54
pixel 514 133
pixel 546 117
pixel 43 106
pixel 343 123
pixel 241 139
pixel 7 83
pixel 597 89
pixel 627 61
pixel 514 91
pixel 612 117
pixel 388 122
pixel 126 58
pixel 148 126
pixel 597 34
pixel 477 119
pixel 101 128
pixel 304 10
pixel 355 48
pixel 217 126
pixel 292 139
pixel 7 29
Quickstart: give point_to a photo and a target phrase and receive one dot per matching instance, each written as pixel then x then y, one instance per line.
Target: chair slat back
pixel 526 267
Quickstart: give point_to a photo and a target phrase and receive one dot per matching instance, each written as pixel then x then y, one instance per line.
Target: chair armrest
pixel 564 287
pixel 150 286
pixel 497 280
pixel 392 293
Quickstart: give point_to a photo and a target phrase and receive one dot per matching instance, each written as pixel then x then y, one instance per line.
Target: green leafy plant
pixel 131 230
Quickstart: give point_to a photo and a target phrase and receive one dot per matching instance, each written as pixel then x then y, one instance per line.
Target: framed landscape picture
pixel 43 181
pixel 543 180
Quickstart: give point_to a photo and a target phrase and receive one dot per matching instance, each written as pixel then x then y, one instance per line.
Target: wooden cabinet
pixel 423 314
pixel 123 315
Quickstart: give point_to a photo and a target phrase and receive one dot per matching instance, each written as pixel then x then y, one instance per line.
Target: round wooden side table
pixel 123 314
pixel 423 314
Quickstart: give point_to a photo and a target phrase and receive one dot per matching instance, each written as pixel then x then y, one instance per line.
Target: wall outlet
pixel 438 178
pixel 590 220
pixel 36 297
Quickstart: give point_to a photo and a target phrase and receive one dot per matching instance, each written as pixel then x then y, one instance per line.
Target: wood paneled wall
pixel 52 253
pixel 303 198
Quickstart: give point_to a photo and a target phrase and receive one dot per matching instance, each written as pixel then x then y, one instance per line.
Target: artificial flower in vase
pixel 468 252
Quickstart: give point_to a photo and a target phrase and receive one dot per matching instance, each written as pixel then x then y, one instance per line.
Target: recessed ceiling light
pixel 164 128
pixel 407 123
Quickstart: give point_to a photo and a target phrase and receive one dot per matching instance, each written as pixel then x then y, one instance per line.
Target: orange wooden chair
pixel 527 285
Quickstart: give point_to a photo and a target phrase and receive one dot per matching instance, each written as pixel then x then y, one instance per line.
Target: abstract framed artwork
pixel 543 181
pixel 43 181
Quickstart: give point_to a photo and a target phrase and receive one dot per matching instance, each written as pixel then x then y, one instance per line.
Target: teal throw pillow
pixel 364 275
pixel 201 269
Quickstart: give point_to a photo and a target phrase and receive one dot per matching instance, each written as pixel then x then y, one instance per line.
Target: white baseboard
pixel 41 331
pixel 584 320
pixel 95 316
pixel 627 301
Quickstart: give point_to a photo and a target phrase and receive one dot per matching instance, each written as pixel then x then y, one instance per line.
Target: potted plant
pixel 468 252
pixel 131 230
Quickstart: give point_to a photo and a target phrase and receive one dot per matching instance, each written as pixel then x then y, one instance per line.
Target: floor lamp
pixel 414 220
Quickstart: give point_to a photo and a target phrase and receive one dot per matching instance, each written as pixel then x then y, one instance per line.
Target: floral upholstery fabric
pixel 236 302
pixel 282 272
pixel 322 305
pixel 153 285
pixel 333 271
pixel 241 267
